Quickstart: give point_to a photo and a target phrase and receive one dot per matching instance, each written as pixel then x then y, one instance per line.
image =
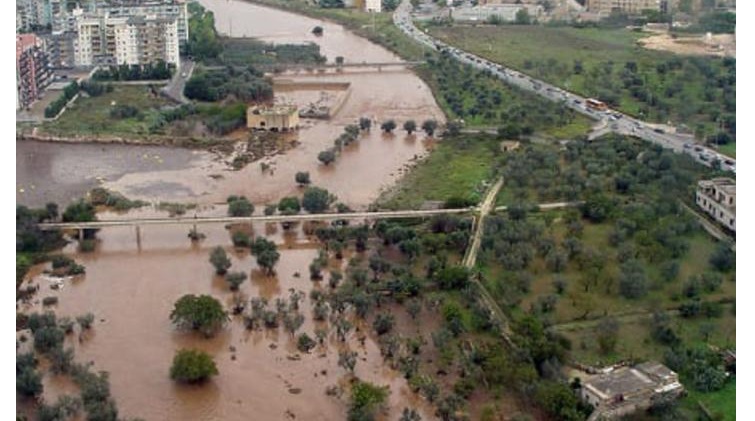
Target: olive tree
pixel 388 126
pixel 192 366
pixel 220 260
pixel 202 313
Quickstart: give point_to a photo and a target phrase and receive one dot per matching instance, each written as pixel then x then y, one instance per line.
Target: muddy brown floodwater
pixel 131 289
pixel 357 177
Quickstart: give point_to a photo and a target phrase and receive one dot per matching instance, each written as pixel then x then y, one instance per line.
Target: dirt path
pixel 471 258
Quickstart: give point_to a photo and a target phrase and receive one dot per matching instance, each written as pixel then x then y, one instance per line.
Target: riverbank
pixel 166 141
pixel 376 27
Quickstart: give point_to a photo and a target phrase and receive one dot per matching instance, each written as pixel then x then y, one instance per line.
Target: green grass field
pixel 722 403
pixel 455 168
pixel 91 116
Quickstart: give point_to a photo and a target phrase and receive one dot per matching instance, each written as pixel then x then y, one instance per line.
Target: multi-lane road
pixel 612 120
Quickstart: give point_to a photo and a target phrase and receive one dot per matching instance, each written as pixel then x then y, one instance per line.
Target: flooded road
pixel 357 177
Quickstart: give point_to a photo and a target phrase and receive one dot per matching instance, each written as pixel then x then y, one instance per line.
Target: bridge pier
pixel 138 237
pixel 81 235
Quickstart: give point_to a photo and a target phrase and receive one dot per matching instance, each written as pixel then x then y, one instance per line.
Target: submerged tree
pixel 388 126
pixel 220 260
pixel 267 254
pixel 202 313
pixel 192 366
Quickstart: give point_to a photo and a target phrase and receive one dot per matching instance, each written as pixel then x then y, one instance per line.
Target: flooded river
pixel 357 177
pixel 131 288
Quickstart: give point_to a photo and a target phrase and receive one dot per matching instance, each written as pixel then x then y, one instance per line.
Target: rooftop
pixel 274 110
pixel 622 381
pixel 725 184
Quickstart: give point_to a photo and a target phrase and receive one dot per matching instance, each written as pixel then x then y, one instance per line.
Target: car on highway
pixel 659 131
pixel 687 145
pixel 698 148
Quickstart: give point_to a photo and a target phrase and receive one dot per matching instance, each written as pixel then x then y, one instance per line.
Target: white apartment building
pixel 32 14
pixel 105 40
pixel 718 198
pixel 605 7
pixel 164 9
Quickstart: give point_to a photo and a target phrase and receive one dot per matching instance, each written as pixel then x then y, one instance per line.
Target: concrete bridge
pixel 314 66
pixel 136 222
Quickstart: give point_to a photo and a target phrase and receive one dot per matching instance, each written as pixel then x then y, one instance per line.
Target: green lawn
pixel 722 403
pixel 91 116
pixel 455 168
pixel 729 149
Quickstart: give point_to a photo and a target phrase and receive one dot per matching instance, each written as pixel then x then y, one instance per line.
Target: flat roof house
pixel 718 198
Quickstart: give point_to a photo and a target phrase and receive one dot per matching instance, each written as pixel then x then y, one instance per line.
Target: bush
pixel 240 239
pixel 327 156
pixel 388 126
pixel 85 321
pixel 220 260
pixel 239 206
pixel 48 338
pixel 56 106
pixel 289 206
pixel 304 343
pixel 383 323
pixel 28 382
pixel 455 277
pixel 192 366
pixel 302 178
pixel 366 398
pixel 203 313
pixel 235 279
pixel 124 111
pixel 316 200
pixel 723 259
pixel 79 211
pixel 429 127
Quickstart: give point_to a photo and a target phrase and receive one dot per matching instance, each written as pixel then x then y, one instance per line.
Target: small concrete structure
pixel 509 145
pixel 278 118
pixel 373 6
pixel 718 198
pixel 621 391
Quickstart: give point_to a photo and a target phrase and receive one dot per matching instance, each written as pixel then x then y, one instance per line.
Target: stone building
pixel 278 118
pixel 621 391
pixel 718 198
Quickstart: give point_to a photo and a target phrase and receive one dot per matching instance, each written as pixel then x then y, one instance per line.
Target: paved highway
pixel 615 121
